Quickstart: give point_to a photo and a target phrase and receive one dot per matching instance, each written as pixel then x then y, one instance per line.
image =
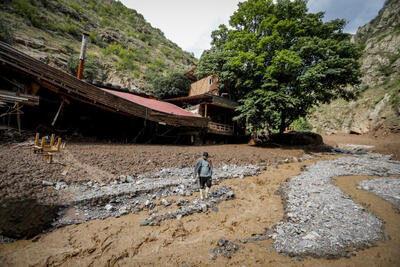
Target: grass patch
pixel 25 9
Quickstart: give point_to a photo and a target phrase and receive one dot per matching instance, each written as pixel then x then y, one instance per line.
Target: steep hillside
pixel 377 108
pixel 123 48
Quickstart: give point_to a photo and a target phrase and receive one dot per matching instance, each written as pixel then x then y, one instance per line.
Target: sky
pixel 189 23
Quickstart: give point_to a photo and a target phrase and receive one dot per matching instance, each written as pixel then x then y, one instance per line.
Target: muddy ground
pixel 22 173
pixel 384 144
pixel 123 242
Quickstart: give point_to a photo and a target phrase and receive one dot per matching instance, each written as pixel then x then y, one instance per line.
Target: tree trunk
pixel 283 122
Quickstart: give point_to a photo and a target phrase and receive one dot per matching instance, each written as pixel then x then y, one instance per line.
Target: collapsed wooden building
pixel 207 101
pixel 47 99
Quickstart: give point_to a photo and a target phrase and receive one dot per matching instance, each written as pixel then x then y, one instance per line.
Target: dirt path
pixel 122 242
pixel 93 173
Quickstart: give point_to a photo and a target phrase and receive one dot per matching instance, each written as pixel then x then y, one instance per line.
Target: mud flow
pixel 25 218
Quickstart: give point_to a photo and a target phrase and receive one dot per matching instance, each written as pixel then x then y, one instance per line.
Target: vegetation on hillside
pixel 281 61
pixel 377 107
pixel 120 38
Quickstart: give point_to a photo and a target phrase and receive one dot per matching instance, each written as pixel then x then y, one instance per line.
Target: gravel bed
pixel 216 196
pixel 128 194
pixel 320 220
pixel 386 188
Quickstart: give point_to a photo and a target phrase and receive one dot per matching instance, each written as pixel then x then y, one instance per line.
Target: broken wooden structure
pixel 46 150
pixel 51 85
pixel 207 101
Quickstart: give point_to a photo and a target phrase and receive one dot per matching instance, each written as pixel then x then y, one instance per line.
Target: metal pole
pixel 85 39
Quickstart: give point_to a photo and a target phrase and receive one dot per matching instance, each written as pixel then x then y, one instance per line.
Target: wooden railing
pixel 220 128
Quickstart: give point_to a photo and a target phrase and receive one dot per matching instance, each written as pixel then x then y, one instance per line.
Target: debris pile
pixel 320 220
pixel 386 188
pixel 225 248
pixel 216 196
pixel 91 199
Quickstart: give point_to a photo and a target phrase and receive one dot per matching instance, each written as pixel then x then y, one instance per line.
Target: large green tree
pixel 279 60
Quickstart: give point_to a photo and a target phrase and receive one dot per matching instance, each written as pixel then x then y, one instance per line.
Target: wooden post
pixel 58 144
pixel 43 142
pixel 53 136
pixel 205 110
pixel 37 139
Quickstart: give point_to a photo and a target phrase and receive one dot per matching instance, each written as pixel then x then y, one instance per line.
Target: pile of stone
pixel 320 220
pixel 225 248
pixel 216 196
pixel 386 188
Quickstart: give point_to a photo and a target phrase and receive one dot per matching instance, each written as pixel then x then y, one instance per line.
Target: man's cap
pixel 205 154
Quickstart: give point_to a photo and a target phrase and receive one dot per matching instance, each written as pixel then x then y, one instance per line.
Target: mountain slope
pixel 123 48
pixel 378 105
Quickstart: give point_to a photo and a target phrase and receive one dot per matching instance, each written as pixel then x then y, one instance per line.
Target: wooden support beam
pixel 19 118
pixel 58 112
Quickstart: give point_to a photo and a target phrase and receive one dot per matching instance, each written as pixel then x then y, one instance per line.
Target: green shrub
pixel 364 87
pixel 301 125
pixel 166 51
pixel 127 57
pixel 395 99
pixel 75 6
pixel 92 67
pixel 175 84
pixel 6 32
pixel 159 63
pixel 96 39
pixel 386 70
pixel 71 29
pixel 69 48
pixel 144 37
pixel 105 22
pixel 25 9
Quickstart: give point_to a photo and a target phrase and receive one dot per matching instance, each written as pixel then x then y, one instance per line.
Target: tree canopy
pixel 279 60
pixel 175 84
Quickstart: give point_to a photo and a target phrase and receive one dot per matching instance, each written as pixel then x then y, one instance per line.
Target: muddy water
pixel 122 242
pixel 387 253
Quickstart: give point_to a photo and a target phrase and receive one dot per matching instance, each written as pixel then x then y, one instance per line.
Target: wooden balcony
pixel 220 128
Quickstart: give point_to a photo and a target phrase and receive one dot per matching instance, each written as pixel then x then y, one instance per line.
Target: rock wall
pixel 378 104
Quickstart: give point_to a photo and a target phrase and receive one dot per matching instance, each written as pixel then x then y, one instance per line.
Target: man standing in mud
pixel 203 172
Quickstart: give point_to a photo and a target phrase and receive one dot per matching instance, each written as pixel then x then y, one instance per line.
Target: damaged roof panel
pixel 153 104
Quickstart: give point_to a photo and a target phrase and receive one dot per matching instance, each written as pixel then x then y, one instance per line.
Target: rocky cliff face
pixel 378 105
pixel 123 47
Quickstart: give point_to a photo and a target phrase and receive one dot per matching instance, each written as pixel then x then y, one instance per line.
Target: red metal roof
pixel 153 104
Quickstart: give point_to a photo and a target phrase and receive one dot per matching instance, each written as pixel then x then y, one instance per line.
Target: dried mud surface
pixel 22 172
pixel 135 159
pixel 383 144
